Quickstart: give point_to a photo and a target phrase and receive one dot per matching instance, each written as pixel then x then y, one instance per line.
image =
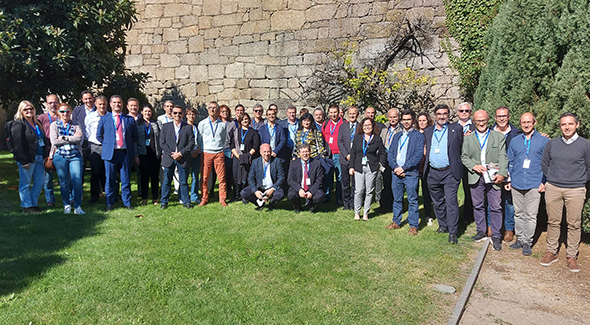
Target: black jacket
pixel 375 153
pixel 24 142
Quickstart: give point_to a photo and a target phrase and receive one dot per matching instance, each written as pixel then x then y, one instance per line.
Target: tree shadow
pixel 179 98
pixel 30 245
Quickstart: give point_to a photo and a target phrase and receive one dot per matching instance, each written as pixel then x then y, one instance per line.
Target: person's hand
pixel 273 154
pixel 259 195
pixel 498 179
pixel 137 161
pixel 507 186
pixel 348 157
pixel 351 171
pixel 302 193
pixel 269 192
pixel 308 195
pixel 544 134
pixel 78 133
pixel 194 154
pixel 26 166
pixel 399 171
pixel 467 133
pixel 176 155
pixel 541 188
pixel 480 169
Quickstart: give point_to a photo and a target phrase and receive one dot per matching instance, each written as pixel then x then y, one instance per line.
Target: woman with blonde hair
pixel 30 147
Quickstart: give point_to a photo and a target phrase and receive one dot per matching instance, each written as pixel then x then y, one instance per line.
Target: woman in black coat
pixel 244 144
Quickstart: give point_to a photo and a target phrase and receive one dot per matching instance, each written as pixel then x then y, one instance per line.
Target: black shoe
pixel 442 230
pixel 497 244
pixel 526 250
pixel 516 245
pixel 479 236
pixel 164 206
pixel 93 200
pixel 272 205
pixel 109 208
pixel 453 239
pixel 312 208
pixel 296 211
pixel 187 205
pixel 244 201
pixel 129 208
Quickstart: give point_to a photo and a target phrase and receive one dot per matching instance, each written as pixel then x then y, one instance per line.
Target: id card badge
pixel 526 164
pixel 117 136
pixel 147 142
pixel 331 140
pixel 437 150
pixel 242 147
pixel 364 161
pixel 398 157
pixel 40 142
pixel 308 181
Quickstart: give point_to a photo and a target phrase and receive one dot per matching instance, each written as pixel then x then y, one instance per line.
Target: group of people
pixel 503 169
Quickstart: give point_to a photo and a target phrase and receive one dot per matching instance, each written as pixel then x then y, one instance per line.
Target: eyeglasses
pixel 406 120
pixel 464 111
pixel 212 108
pixel 501 116
pixel 176 113
pixel 62 111
pixel 257 111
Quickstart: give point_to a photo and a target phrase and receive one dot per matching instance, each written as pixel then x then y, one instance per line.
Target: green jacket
pixel 495 153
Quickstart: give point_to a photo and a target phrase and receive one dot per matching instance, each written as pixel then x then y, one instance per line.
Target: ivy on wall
pixel 468 21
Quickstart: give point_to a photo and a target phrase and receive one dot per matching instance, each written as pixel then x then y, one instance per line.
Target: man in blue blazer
pixel 443 169
pixel 404 156
pixel 274 134
pixel 345 137
pixel 305 180
pixel 265 180
pixel 118 133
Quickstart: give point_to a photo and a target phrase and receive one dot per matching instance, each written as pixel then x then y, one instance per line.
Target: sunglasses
pixel 28 109
pixel 62 111
pixel 176 113
pixel 257 111
pixel 464 111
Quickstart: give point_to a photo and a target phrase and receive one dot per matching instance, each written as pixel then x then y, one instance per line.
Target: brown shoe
pixel 508 236
pixel 413 231
pixel 392 225
pixel 223 204
pixel 572 264
pixel 490 232
pixel 202 203
pixel 549 258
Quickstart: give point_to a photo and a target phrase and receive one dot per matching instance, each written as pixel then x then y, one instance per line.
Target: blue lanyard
pixel 332 129
pixel 272 135
pixel 166 117
pixel 293 129
pixel 484 140
pixel 441 136
pixel 352 132
pixel 466 128
pixel 68 129
pixel 195 132
pixel 390 134
pixel 177 132
pixel 304 136
pixel 148 129
pixel 265 168
pixel 405 140
pixel 244 134
pixel 216 126
pixel 366 144
pixel 36 128
pixel 115 121
pixel 527 144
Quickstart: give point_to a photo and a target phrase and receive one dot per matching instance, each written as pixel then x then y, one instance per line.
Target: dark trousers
pixel 467 203
pixel 347 187
pixel 293 197
pixel 386 200
pixel 97 175
pixel 479 192
pixel 443 188
pixel 426 199
pixel 121 163
pixel 149 168
pixel 248 194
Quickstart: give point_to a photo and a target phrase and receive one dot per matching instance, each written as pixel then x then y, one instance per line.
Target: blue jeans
pixel 29 194
pixel 182 179
pixel 195 183
pixel 411 186
pixel 335 171
pixel 69 172
pixel 48 186
pixel 120 162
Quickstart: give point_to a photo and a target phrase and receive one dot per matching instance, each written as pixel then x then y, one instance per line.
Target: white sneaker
pixel 68 209
pixel 79 210
pixel 430 221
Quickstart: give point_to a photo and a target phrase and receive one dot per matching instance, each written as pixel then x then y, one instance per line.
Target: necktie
pixel 305 177
pixel 119 132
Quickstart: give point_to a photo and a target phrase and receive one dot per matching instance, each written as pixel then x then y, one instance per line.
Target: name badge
pixel 40 142
pixel 436 150
pixel 331 140
pixel 364 161
pixel 308 181
pixel 242 147
pixel 526 164
pixel 399 157
pixel 117 136
pixel 147 142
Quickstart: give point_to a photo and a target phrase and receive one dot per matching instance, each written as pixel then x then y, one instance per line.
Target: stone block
pixel 178 47
pixel 350 26
pixel 205 22
pixel 273 94
pixel 342 11
pixel 165 22
pixel 408 4
pixel 189 91
pixel 229 83
pixel 215 89
pixel 146 49
pixel 242 84
pixel 313 58
pixel 247 4
pixel 274 5
pixel 246 94
pixel 229 31
pixel 254 71
pixel 210 56
pixel 394 15
pixel 287 20
pixel 255 14
pixel 228 94
pixel 189 31
pixel 211 7
pixel 169 60
pixel 295 60
pixel 212 33
pixel 189 59
pixel 269 60
pixel 216 71
pixel 260 93
pixel 190 20
pixel 202 89
pixel 163 74
pixel 232 50
pixel 177 9
pixel 263 83
pixel 226 20
pixel 306 34
pixel 371 19
pixel 274 72
pixel 151 61
pixel 304 71
pixel 199 73
pixel 145 39
pixel 321 12
pixel 423 13
pixel 376 30
pixel 253 49
pixel 133 49
pixel 170 35
pixel 229 6
pixel 234 70
pixel 240 39
pixel 360 9
pixel 182 72
pixel 267 37
pixel 299 4
pixel 153 11
pixel 133 61
pixel 196 44
pixel 379 8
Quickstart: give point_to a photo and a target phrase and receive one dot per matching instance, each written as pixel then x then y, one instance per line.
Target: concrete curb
pixel 460 306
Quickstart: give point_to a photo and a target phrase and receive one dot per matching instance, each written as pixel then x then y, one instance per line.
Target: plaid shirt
pixel 69 150
pixel 315 140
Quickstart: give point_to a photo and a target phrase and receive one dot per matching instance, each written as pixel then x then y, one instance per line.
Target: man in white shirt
pixel 97 176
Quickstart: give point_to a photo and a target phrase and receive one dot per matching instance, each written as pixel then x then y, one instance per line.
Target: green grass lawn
pixel 218 266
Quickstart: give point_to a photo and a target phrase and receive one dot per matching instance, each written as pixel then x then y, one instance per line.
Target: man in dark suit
pixel 464 111
pixel 274 134
pixel 265 180
pixel 444 169
pixel 117 133
pixel 345 137
pixel 305 180
pixel 176 140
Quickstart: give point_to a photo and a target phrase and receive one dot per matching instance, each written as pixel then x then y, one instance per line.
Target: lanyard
pixel 166 117
pixel 265 168
pixel 366 144
pixel 195 131
pixel 332 129
pixel 352 131
pixel 68 129
pixel 389 136
pixel 148 129
pixel 50 120
pixel 177 132
pixel 36 128
pixel 117 126
pixel 213 130
pixel 304 136
pixel 527 144
pixel 444 130
pixel 272 135
pixel 244 134
pixel 403 143
pixel 484 140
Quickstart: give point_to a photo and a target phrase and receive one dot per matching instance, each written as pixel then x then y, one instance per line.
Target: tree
pixel 62 46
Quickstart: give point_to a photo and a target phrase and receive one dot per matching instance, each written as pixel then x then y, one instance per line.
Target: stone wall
pixel 250 51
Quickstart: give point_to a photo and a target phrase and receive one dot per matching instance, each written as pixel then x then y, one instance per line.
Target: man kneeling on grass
pixel 265 179
pixel 305 180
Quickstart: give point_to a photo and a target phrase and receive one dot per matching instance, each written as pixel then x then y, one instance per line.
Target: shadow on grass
pixel 30 245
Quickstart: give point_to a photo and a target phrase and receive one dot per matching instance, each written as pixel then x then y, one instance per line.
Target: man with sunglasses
pixel 211 138
pixel 118 134
pixel 176 140
pixel 51 103
pixel 464 114
pixel 258 120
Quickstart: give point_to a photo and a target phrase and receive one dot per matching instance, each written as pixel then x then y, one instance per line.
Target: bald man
pixel 265 180
pixel 484 156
